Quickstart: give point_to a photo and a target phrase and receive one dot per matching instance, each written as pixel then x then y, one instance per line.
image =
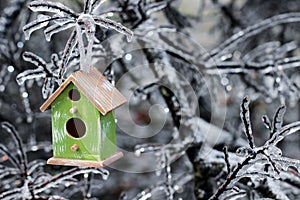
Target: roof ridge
pixel 95 87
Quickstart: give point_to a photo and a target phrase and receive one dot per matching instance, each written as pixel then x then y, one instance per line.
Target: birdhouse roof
pixel 95 87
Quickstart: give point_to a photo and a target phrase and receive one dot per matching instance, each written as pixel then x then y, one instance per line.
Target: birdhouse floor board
pixel 85 163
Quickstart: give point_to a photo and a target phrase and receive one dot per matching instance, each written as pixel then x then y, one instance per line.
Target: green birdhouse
pixel 83 123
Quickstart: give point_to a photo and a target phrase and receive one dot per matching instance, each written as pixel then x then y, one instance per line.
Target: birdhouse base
pixel 85 163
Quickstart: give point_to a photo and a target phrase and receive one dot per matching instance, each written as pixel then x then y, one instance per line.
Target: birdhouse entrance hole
pixel 74 95
pixel 76 127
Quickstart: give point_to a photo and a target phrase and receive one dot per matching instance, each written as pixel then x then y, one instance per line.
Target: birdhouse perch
pixel 83 123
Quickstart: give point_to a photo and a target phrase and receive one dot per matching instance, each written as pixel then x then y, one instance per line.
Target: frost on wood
pixel 84 25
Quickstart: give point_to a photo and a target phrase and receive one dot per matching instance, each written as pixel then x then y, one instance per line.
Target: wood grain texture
pixel 95 87
pixel 85 163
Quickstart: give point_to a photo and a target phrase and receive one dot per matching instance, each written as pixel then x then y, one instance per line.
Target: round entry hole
pixel 76 127
pixel 74 95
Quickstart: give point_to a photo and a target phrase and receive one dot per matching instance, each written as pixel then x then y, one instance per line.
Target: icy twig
pixel 111 24
pixel 178 183
pixel 53 182
pixel 83 23
pixel 48 71
pixel 226 158
pixel 268 153
pixel 53 7
pixel 267 122
pixel 242 35
pixel 10 157
pixel 11 194
pixel 245 116
pixel 168 176
pixel 283 132
pixel 278 119
pixel 22 156
pixel 70 45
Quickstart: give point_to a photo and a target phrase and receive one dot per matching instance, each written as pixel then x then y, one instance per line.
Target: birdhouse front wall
pixel 76 126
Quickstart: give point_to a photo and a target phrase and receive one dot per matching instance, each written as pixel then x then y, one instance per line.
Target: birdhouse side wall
pixel 108 135
pixel 63 142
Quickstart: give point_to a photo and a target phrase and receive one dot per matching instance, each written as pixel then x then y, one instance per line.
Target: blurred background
pixel 185 73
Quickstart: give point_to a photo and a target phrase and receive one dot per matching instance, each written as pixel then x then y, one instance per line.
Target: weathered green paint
pixel 98 142
pixel 108 136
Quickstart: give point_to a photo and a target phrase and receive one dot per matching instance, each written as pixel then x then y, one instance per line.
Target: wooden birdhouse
pixel 83 123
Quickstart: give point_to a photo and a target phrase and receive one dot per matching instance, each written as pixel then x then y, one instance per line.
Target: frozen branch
pixel 245 116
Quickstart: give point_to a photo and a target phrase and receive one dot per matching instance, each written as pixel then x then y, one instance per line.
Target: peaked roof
pixel 95 87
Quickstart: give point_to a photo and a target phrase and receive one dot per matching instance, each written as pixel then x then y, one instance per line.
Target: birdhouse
pixel 83 123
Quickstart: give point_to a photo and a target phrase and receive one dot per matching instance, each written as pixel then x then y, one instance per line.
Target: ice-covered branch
pixel 19 144
pixel 268 154
pixel 54 181
pixel 250 31
pixel 245 116
pixel 84 24
pixel 48 71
